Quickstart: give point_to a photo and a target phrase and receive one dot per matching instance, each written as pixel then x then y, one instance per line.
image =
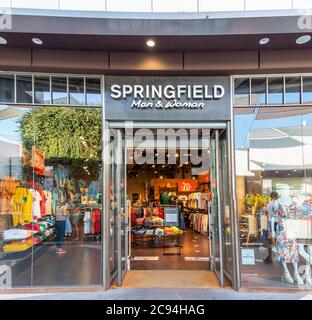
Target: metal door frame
pixel 176 125
pixel 219 231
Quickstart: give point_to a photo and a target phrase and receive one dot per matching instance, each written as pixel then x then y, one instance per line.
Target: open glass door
pixel 226 208
pixel 222 215
pixel 215 221
pixel 119 217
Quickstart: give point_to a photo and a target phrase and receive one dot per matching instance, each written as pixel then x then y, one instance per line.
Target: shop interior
pixel 155 193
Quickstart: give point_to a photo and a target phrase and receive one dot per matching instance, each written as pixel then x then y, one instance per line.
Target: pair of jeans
pixel 59 233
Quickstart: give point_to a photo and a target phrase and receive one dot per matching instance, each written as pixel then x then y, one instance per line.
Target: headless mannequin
pixel 286 274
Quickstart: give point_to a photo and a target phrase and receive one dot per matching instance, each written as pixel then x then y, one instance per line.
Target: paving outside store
pixel 161 294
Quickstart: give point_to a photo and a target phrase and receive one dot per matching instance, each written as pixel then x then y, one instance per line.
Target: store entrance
pixel 168 202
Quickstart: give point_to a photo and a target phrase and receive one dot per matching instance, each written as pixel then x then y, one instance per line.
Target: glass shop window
pixel 6 88
pixel 93 91
pixel 42 90
pixel 241 92
pixel 59 90
pixel 275 90
pixel 76 91
pixel 292 90
pixel 258 91
pixel 24 89
pixel 307 90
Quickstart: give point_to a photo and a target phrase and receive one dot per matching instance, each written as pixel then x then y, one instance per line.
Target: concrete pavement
pixel 160 294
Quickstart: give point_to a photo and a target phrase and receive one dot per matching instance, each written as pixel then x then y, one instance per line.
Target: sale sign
pixel 186 185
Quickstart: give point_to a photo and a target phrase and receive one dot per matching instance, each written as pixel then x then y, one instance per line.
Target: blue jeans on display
pixel 59 233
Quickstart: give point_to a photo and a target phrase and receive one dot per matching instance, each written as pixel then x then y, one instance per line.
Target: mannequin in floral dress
pixel 306 214
pixel 286 248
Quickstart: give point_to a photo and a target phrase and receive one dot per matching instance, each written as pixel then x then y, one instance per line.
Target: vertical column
pixel 105 203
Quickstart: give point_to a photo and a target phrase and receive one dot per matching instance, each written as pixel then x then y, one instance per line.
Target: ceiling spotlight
pixel 150 43
pixel 264 41
pixel 37 41
pixel 3 41
pixel 303 39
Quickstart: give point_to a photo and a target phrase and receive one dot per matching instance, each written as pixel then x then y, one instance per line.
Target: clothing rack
pixel 92 221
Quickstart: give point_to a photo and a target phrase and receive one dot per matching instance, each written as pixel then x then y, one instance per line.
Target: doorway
pixel 169 204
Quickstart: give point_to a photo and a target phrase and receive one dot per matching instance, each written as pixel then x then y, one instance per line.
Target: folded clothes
pixel 17 234
pixel 17 246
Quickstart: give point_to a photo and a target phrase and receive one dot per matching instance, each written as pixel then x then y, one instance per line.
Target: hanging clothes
pixel 87 222
pixel 68 226
pixel 199 222
pixel 21 206
pixel 48 202
pixel 96 222
pixel 36 208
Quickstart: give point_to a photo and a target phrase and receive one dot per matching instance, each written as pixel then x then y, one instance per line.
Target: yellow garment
pixel 5 198
pixel 7 189
pixel 16 246
pixel 8 184
pixel 21 206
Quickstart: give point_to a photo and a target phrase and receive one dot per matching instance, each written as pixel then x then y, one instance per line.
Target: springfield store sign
pixel 170 98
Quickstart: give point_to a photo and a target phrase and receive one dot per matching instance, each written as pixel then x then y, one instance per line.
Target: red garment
pixel 161 213
pixel 96 222
pixel 31 226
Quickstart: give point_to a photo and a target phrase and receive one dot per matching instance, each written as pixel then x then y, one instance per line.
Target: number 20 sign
pixel 186 186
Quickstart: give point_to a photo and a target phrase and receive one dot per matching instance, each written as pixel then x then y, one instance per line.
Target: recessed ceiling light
pixel 150 43
pixel 303 39
pixel 3 41
pixel 37 41
pixel 264 41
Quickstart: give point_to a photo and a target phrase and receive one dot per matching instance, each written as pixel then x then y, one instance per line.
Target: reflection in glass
pixel 24 89
pixel 15 202
pixel 59 90
pixel 292 90
pixel 275 90
pixel 93 91
pixel 258 91
pixel 42 90
pixel 241 91
pixel 6 88
pixel 274 194
pixel 76 91
pixel 50 175
pixel 307 89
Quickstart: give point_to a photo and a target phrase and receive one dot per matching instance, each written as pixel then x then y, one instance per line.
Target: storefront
pixel 194 158
pixel 110 149
pixel 79 141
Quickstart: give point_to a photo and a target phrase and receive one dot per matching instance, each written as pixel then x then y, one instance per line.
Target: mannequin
pixel 306 213
pixel 307 256
pixel 286 248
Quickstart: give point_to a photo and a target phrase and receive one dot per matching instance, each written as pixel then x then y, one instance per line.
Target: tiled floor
pixel 193 244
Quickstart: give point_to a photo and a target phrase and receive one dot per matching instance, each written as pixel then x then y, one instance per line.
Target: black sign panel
pixel 167 98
